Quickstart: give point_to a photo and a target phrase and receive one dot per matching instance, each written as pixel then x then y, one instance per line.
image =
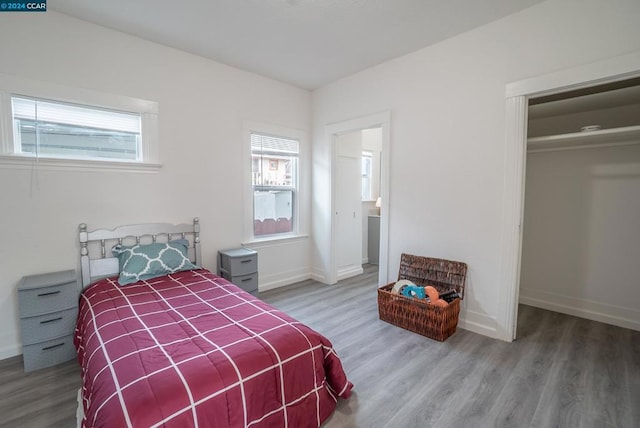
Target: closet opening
pixel 580 228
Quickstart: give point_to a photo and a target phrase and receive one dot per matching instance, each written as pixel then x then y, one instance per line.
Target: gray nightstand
pixel 48 311
pixel 240 266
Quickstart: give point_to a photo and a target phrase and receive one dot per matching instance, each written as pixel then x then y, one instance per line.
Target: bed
pixel 189 348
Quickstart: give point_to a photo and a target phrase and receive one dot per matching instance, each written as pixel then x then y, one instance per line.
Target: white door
pixel 348 199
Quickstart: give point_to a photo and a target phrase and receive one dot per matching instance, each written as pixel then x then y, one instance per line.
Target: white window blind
pixel 271 144
pixel 69 114
pixel 47 128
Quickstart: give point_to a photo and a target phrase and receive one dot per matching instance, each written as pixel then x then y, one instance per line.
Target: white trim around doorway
pixel 382 120
pixel 517 96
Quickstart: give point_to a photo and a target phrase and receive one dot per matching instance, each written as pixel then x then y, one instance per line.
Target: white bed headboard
pixel 96 260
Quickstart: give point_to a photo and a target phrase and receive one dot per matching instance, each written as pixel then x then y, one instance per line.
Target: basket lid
pixel 442 274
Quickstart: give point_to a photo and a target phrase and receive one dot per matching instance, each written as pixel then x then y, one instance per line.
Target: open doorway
pixel 343 215
pixel 357 197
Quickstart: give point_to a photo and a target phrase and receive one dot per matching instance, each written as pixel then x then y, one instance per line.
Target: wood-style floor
pixel 562 371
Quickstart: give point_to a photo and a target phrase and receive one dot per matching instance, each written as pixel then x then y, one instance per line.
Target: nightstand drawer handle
pixel 53 346
pixel 49 293
pixel 52 320
pixel 247 279
pixel 245 261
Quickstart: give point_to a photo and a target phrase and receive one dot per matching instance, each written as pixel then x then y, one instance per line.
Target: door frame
pixel 517 97
pixel 379 120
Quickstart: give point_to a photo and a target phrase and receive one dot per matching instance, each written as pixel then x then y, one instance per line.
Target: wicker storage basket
pixel 416 314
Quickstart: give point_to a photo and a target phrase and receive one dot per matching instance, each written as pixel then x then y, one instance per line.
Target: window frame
pixel 13 86
pixel 298 212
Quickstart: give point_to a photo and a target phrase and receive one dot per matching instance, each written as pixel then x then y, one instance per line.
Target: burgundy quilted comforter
pixel 193 350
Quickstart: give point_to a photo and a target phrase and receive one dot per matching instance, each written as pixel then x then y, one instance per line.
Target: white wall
pixel 580 247
pixel 447 106
pixel 202 106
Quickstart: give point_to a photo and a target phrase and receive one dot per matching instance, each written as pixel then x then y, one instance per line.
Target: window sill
pixel 18 161
pixel 274 240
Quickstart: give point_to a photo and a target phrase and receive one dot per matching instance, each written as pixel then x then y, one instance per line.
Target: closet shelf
pixel 603 137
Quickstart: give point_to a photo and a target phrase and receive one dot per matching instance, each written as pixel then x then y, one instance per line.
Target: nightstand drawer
pixel 45 354
pixel 246 282
pixel 43 327
pixel 240 261
pixel 42 300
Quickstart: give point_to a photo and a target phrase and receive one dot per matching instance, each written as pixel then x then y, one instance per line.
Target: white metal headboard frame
pixel 105 264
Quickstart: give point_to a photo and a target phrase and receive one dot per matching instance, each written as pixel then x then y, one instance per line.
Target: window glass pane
pixel 51 129
pixel 367 159
pixel 274 166
pixel 273 212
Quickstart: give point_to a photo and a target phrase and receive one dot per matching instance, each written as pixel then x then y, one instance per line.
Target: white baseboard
pixel 319 275
pixel 349 272
pixel 589 309
pixel 478 323
pixel 9 351
pixel 280 279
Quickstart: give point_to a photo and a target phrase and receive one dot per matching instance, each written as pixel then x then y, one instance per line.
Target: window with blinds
pixel 274 169
pixel 46 128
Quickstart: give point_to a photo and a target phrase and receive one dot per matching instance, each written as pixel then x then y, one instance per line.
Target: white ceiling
pixel 307 43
